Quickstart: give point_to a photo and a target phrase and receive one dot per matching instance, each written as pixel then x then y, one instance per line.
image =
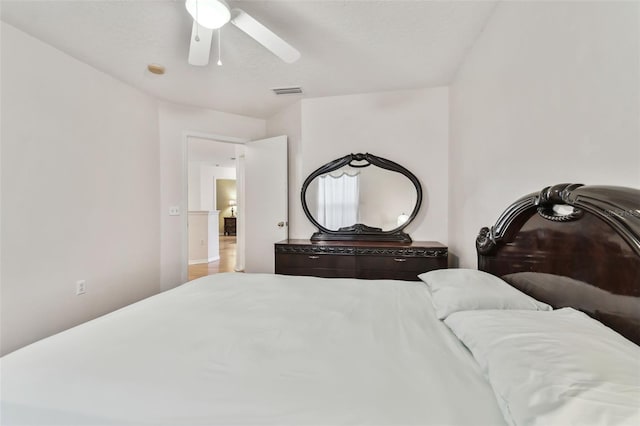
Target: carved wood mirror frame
pixel 360 231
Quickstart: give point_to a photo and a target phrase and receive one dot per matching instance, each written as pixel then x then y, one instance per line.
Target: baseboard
pixel 201 261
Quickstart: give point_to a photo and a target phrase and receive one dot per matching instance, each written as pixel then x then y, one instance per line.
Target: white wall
pixel 176 122
pixel 548 94
pixel 202 188
pixel 204 245
pixel 399 197
pixel 80 191
pixel 409 127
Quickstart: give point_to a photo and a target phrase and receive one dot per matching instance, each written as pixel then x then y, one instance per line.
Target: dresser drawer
pixel 318 265
pixel 359 259
pixel 398 267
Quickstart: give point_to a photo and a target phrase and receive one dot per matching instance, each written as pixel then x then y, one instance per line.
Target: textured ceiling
pixel 347 46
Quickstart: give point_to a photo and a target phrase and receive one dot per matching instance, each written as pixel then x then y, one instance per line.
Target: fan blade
pixel 199 51
pixel 264 36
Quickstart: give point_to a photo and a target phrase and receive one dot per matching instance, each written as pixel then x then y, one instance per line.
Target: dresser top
pixel 389 244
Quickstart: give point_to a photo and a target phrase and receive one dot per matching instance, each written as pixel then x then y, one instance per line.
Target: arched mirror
pixel 361 197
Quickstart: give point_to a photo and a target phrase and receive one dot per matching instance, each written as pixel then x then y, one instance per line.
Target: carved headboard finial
pixel 558 195
pixel 617 206
pixel 485 243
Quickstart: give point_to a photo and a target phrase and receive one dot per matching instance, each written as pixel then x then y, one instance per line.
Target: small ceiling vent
pixel 287 91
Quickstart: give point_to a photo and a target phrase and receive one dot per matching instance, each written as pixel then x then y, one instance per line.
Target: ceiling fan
pixel 209 15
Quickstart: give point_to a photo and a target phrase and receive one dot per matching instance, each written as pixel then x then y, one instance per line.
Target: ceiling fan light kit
pixel 210 14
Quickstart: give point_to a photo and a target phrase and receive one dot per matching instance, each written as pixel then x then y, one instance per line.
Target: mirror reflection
pixel 371 195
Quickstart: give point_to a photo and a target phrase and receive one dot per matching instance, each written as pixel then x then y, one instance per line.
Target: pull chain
pixel 197 24
pixel 219 53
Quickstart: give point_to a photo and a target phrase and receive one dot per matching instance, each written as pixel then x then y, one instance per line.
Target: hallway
pixel 226 263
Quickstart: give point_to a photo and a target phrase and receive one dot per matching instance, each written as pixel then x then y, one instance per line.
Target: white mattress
pixel 253 349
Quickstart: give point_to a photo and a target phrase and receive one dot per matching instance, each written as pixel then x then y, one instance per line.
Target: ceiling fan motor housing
pixel 210 14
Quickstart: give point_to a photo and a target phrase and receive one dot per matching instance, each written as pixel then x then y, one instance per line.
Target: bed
pixel 260 349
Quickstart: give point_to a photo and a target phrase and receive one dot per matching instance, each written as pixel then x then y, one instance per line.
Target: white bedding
pixel 253 349
pixel 559 368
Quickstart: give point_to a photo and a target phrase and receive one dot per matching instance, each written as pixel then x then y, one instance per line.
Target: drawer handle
pixel 314 257
pixel 400 260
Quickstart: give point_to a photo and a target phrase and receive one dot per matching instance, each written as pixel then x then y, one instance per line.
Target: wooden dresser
pixel 359 259
pixel 230 225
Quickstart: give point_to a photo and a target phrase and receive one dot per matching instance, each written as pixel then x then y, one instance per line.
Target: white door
pixel 266 202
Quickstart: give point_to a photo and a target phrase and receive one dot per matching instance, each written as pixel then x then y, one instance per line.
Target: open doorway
pixel 262 199
pixel 212 206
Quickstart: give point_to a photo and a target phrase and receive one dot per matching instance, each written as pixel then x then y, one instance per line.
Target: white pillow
pixel 454 290
pixel 554 368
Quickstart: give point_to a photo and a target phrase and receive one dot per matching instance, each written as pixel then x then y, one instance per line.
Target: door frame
pixel 184 202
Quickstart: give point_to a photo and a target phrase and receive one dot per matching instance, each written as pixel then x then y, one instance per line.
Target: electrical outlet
pixel 174 211
pixel 81 287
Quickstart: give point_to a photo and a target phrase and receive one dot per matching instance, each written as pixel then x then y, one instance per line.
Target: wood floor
pixel 226 263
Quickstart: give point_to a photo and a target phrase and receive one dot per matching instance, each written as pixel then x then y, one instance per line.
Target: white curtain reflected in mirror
pixel 338 197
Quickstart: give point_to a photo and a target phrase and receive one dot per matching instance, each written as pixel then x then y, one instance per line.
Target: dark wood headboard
pixel 572 245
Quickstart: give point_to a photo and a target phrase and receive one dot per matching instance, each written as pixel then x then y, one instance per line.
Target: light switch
pixel 174 211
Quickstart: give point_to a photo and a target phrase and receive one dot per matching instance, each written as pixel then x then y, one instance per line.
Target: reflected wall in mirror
pixel 361 197
pixel 375 196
